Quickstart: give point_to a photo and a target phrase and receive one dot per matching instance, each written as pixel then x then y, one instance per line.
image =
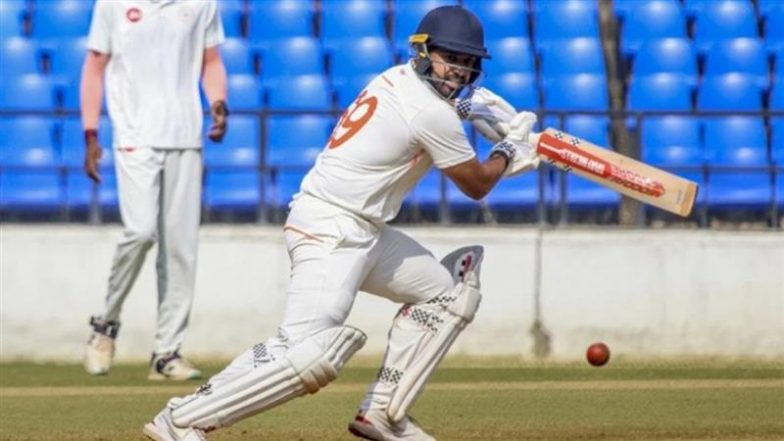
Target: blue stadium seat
pixel 744 55
pixel 79 190
pixel 296 140
pixel 285 184
pixel 651 20
pixel 245 92
pixel 239 148
pixel 736 140
pixel 739 190
pixel 573 56
pixel 774 25
pixel 519 192
pixel 780 191
pixel 360 56
pixel 667 55
pixel 27 141
pixel 591 128
pixel 237 56
pixel 520 89
pixel 29 92
pixel 576 92
pixel 68 58
pixel 352 18
pixel 62 18
pixel 777 96
pixel 348 88
pixel 427 192
pixel 232 190
pixel 293 56
pixel 671 141
pixel 19 57
pixel 30 190
pixel 663 91
pixel 733 91
pixel 583 194
pixel 271 20
pixel 766 7
pixel 231 12
pixel 554 20
pixel 512 54
pixel 72 143
pixel 722 19
pixel 303 92
pixel 11 12
pixel 501 18
pixel 777 141
pixel 406 17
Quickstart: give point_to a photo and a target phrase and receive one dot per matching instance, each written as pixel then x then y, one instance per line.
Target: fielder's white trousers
pixel 160 202
pixel 334 254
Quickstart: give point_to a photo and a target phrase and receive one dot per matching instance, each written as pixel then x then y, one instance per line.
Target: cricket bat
pixel 623 174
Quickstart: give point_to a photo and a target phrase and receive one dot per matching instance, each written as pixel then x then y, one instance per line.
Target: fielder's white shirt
pixel 384 143
pixel 152 79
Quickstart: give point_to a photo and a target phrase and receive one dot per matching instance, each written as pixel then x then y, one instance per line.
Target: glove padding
pixel 519 152
pixel 488 112
pixel 220 115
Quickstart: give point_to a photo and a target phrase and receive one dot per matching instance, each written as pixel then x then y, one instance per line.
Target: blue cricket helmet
pixel 454 29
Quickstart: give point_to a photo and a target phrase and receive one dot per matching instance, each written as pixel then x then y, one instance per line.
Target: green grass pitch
pixel 467 399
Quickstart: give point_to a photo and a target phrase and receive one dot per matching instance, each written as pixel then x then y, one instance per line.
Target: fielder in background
pixel 405 121
pixel 152 54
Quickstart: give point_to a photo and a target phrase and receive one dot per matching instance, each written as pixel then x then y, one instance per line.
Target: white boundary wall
pixel 646 293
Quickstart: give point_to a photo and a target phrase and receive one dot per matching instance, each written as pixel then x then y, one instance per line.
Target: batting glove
pixel 487 112
pixel 92 154
pixel 520 154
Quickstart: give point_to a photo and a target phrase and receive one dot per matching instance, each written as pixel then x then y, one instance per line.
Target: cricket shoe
pixel 172 366
pixel 376 426
pixel 99 354
pixel 162 428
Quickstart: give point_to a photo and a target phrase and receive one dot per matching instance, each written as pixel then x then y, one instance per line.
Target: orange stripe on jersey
pixel 387 80
pixel 302 232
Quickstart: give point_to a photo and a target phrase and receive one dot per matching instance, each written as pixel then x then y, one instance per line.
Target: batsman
pixel 405 121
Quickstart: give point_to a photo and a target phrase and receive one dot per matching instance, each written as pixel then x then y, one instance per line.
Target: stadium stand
pixel 313 57
pixel 11 18
pixel 505 18
pixel 646 21
pixel 667 55
pixel 270 20
pixel 61 18
pixel 351 19
pixel 296 140
pixel 19 56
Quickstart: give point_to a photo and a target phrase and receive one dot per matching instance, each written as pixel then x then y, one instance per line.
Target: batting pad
pixel 305 368
pixel 422 334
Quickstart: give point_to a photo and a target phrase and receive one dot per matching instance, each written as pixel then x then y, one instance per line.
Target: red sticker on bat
pixel 570 157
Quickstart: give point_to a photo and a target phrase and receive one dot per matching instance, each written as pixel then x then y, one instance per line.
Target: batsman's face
pixel 453 69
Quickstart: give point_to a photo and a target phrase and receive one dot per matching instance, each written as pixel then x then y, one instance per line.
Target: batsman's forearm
pixel 91 89
pixel 214 79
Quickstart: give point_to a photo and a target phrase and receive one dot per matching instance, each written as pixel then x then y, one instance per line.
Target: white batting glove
pixel 520 154
pixel 488 112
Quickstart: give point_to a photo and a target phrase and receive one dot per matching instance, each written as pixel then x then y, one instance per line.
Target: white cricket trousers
pixel 334 254
pixel 160 202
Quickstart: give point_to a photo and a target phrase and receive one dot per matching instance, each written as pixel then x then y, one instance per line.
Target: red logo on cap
pixel 133 15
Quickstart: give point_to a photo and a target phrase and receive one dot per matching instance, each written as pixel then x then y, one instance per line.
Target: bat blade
pixel 627 176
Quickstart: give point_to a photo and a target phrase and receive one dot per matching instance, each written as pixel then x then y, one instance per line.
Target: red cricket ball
pixel 598 354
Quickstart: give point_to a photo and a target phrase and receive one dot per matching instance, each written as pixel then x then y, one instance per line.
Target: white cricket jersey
pixel 384 143
pixel 152 79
